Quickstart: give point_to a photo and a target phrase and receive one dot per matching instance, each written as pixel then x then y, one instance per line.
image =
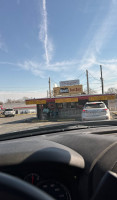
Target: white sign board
pixel 64 90
pixel 69 83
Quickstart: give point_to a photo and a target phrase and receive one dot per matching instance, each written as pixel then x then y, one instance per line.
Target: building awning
pixel 97 97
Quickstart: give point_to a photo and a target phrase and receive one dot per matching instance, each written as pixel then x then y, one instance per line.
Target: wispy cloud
pixel 43 35
pixel 41 69
pixel 34 67
pixel 7 63
pixel 63 65
pixel 102 35
pixel 89 59
pixel 109 71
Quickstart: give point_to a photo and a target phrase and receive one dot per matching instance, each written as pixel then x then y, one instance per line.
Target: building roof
pixel 18 105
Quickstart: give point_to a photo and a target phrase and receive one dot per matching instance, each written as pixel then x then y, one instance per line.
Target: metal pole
pixel 102 81
pixel 49 88
pixel 87 81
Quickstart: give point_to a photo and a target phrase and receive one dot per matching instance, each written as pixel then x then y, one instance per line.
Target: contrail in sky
pixel 43 35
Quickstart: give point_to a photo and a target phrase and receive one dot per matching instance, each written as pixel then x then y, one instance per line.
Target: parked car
pixel 95 111
pixel 9 112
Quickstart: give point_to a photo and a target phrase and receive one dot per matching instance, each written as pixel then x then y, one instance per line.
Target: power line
pixel 94 77
pixel 75 77
pixel 94 83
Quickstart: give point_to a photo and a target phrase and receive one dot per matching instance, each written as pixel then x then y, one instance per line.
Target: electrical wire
pixel 94 77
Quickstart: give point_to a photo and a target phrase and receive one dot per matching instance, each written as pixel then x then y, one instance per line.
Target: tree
pixel 24 98
pixel 1 103
pixel 16 100
pixel 111 91
pixel 9 101
pixel 91 91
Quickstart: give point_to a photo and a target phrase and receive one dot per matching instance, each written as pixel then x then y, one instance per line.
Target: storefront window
pixel 68 105
pixel 64 105
pixel 73 104
pixel 59 105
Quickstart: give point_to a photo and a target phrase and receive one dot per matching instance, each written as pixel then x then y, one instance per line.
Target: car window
pixel 95 105
pixel 9 110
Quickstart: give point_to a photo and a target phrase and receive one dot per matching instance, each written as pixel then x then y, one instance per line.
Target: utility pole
pixel 49 88
pixel 102 81
pixel 87 81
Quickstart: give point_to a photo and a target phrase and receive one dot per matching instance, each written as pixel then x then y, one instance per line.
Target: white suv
pixel 95 111
pixel 9 112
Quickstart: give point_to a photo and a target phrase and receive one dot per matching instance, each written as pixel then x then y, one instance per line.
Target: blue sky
pixel 60 39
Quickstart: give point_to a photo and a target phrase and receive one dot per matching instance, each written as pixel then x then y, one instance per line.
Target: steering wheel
pixel 14 188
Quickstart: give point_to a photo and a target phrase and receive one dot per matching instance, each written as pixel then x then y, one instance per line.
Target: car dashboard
pixel 67 165
pixel 59 181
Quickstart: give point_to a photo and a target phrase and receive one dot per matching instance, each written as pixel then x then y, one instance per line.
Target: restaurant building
pixel 65 107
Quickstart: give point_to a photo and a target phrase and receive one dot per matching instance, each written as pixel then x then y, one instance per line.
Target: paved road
pixel 20 122
pixel 26 121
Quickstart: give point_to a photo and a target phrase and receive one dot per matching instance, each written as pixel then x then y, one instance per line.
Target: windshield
pixel 57 58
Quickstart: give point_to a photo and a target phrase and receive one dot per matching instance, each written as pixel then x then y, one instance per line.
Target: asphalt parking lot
pixel 21 122
pixel 27 121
